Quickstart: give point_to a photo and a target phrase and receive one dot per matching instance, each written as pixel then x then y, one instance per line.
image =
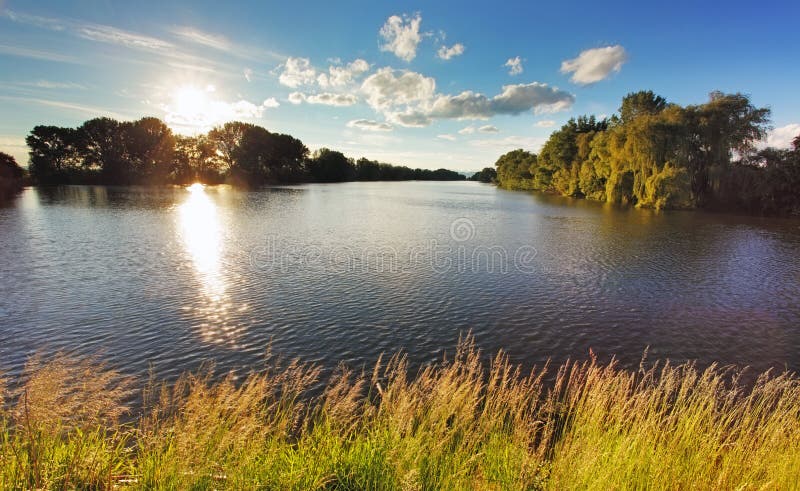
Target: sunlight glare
pixel 201 233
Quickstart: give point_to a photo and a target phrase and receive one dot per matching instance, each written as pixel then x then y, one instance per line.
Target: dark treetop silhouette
pixel 106 151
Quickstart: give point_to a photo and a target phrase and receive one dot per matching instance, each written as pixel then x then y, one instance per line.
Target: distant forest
pixel 660 155
pixel 107 151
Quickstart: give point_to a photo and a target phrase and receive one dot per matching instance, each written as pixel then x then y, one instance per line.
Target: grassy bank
pixel 458 425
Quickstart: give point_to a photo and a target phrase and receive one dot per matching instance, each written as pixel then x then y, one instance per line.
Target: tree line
pixel 660 155
pixel 107 151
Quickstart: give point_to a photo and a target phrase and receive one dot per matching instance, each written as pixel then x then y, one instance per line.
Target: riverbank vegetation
pixel 487 175
pixel 11 176
pixel 459 424
pixel 107 151
pixel 657 154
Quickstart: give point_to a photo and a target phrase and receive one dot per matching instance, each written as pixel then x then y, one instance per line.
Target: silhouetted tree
pixel 328 165
pixel 11 175
pixel 55 154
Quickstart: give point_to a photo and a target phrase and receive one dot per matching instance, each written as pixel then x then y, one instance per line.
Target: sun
pixel 193 110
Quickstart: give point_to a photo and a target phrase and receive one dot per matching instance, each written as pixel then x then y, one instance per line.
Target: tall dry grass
pixel 459 424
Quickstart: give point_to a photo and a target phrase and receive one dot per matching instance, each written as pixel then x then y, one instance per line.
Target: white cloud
pixel 784 136
pixel 297 72
pixel 271 103
pixel 467 130
pixel 330 99
pixel 297 97
pixel 401 36
pixel 451 138
pixel 410 99
pixel 325 98
pixel 446 53
pixel 341 76
pixel 514 65
pixel 389 88
pixel 248 74
pixel 370 125
pixel 514 99
pixel 594 65
pixel 488 129
pixel 545 123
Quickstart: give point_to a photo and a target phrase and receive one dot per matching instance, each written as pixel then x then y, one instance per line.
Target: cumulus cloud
pixel 297 72
pixel 488 129
pixel 370 125
pixel 514 65
pixel 594 65
pixel 324 98
pixel 451 138
pixel 514 99
pixel 446 53
pixel 271 103
pixel 297 97
pixel 467 130
pixel 784 136
pixel 330 99
pixel 409 99
pixel 388 88
pixel 401 36
pixel 341 76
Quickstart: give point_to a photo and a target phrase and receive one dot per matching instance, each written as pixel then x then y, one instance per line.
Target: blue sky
pixel 447 85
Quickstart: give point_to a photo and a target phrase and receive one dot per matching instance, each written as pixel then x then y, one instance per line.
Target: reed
pixel 459 424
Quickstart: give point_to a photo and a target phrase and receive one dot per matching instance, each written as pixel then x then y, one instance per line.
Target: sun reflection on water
pixel 201 232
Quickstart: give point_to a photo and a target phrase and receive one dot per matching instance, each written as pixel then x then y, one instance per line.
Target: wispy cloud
pixel 113 35
pixel 48 84
pixel 545 123
pixel 222 43
pixel 92 111
pixel 38 54
pixel 168 51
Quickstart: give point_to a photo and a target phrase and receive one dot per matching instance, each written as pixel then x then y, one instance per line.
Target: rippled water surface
pixel 343 272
